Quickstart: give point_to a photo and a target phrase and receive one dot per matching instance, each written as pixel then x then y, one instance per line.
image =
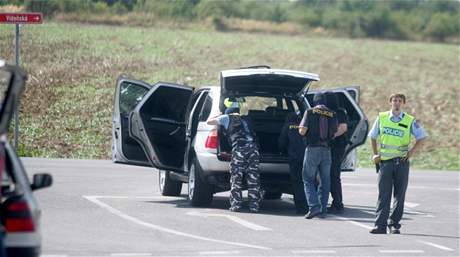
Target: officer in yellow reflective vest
pixel 393 130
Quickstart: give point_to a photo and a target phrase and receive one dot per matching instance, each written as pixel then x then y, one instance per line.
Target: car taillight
pixel 18 217
pixel 212 141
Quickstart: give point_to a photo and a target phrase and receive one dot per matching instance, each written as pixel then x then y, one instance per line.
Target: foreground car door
pixel 157 123
pixel 358 125
pixel 12 83
pixel 129 93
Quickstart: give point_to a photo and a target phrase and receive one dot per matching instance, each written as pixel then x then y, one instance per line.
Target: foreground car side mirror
pixel 41 180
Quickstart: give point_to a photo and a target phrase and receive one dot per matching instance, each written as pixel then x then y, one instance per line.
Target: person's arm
pixel 375 151
pixel 303 124
pixel 213 120
pixel 373 134
pixel 417 145
pixel 342 120
pixel 420 135
pixel 333 125
pixel 341 129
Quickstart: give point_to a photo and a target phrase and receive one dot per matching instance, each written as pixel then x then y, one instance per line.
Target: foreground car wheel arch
pixel 168 186
pixel 200 193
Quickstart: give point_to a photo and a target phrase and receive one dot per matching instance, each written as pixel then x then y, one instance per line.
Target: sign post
pixel 18 19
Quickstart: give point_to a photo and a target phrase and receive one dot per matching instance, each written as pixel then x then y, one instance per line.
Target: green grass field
pixel 66 110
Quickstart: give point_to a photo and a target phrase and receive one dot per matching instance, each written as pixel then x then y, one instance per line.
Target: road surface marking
pixel 411 187
pixel 218 252
pixel 401 251
pixel 410 204
pixel 52 255
pixel 232 218
pixel 155 197
pixel 311 251
pixel 445 248
pixel 425 215
pixel 352 221
pixel 130 254
pixel 112 210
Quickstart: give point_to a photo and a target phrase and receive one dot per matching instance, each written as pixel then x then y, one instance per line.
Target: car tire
pixel 200 193
pixel 272 195
pixel 168 186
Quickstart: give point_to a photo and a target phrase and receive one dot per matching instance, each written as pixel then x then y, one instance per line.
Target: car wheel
pixel 199 192
pixel 168 186
pixel 272 195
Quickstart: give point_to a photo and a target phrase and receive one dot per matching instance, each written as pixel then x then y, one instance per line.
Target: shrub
pixel 442 26
pixel 48 8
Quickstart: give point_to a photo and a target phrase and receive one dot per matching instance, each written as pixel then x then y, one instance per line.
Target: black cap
pixel 319 99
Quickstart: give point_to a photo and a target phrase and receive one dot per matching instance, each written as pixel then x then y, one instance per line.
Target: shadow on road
pixel 280 207
pixel 427 235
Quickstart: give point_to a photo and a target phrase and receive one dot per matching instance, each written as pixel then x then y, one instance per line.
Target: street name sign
pixel 21 18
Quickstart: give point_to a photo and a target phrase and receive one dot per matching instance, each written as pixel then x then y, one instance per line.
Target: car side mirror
pixel 41 180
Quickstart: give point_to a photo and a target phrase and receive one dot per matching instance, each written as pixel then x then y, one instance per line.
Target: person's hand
pixel 408 156
pixel 376 158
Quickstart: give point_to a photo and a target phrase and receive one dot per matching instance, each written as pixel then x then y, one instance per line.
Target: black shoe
pixel 394 230
pixel 235 209
pixel 378 230
pixel 312 213
pixel 254 210
pixel 335 209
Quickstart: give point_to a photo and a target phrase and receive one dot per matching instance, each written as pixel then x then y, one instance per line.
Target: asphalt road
pixel 97 208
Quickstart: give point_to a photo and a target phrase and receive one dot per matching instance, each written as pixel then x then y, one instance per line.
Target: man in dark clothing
pixel 319 125
pixel 245 158
pixel 338 145
pixel 294 143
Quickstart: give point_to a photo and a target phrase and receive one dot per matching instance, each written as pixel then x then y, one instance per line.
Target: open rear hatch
pixel 264 81
pixel 267 123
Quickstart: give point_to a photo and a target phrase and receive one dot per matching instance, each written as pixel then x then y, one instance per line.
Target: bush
pixel 210 8
pixel 100 7
pixel 310 17
pixel 118 8
pixel 48 8
pixel 442 26
pixel 218 23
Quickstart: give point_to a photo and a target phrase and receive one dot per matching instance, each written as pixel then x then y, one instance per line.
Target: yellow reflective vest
pixel 394 136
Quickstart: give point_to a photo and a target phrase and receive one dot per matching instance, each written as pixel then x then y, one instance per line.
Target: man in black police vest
pixel 319 125
pixel 291 141
pixel 245 158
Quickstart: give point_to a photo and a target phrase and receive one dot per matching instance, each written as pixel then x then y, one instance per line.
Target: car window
pixel 256 103
pixel 206 109
pixel 192 103
pixel 130 95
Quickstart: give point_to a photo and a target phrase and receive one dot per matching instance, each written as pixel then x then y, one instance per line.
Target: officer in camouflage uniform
pixel 245 157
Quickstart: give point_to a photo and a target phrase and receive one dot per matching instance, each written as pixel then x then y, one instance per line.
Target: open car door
pixel 358 125
pixel 12 83
pixel 157 123
pixel 129 93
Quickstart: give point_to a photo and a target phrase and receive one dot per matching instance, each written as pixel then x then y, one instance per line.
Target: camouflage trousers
pixel 245 161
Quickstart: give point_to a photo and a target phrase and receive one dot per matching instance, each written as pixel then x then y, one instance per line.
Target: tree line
pixel 427 20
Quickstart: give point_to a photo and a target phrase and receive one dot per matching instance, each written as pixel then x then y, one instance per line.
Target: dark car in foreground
pixel 163 125
pixel 20 212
